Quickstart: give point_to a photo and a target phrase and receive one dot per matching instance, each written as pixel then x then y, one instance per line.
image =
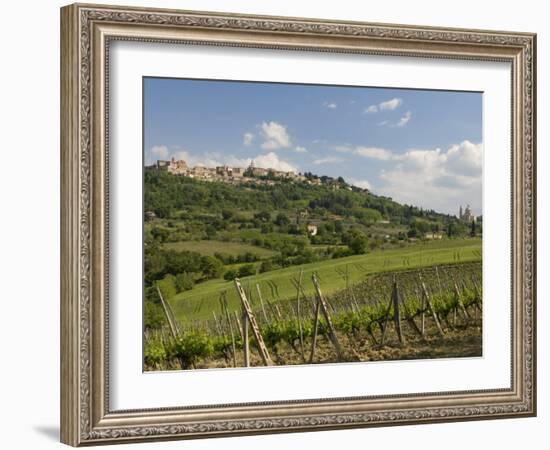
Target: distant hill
pixel 325 197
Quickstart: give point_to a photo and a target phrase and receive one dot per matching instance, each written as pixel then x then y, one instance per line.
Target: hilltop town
pixel 265 176
pixel 239 175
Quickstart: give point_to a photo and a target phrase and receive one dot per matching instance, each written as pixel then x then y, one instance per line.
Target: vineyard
pixel 427 312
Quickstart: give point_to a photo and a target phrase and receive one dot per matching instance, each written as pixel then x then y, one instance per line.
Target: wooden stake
pixel 460 303
pixel 247 311
pixel 324 310
pixel 239 325
pixel 218 327
pixel 423 307
pixel 262 303
pixel 429 303
pixel 246 344
pixel 396 312
pixel 315 329
pixel 167 314
pixel 385 325
pixel 410 319
pixel 299 315
pixel 228 317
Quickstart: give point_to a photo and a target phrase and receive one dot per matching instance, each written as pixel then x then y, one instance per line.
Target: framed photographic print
pixel 276 224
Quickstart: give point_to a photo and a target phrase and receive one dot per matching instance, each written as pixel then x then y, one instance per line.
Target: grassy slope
pixel 211 247
pixel 186 304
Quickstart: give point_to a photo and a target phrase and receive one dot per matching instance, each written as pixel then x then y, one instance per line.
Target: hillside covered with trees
pixel 197 231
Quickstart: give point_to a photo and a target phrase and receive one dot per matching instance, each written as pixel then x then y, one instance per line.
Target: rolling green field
pixel 199 302
pixel 211 247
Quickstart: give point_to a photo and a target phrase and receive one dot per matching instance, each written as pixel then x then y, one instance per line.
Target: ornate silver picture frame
pixel 87 33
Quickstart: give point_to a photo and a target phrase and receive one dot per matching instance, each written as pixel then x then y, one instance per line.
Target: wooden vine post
pixel 248 317
pixel 423 317
pixel 169 318
pixel 246 343
pixel 460 303
pixel 299 315
pixel 323 307
pixel 223 302
pixel 430 306
pixel 396 312
pixel 315 330
pixel 262 303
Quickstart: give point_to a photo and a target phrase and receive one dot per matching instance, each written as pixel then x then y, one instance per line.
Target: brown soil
pixel 462 341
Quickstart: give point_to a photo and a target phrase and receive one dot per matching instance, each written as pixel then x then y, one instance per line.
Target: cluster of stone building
pixel 227 173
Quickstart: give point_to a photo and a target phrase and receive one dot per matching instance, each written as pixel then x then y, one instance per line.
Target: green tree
pixel 473 229
pixel 153 316
pixel 266 266
pixel 184 282
pixel 246 270
pixel 282 220
pixel 451 229
pixel 358 244
pixel 263 216
pixel 167 286
pixel 211 267
pixel 160 234
pixel 227 214
pixel 229 275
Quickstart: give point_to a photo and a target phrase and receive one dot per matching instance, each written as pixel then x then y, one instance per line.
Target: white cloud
pixel 272 161
pixel 371 109
pixel 300 149
pixel 207 159
pixel 214 159
pixel 436 179
pixel 466 159
pixel 374 153
pixel 159 152
pixel 367 152
pixel 390 104
pixel 248 138
pixel 343 149
pixel 328 160
pixel 330 105
pixel 404 120
pixel 363 184
pixel 275 136
pixel 430 178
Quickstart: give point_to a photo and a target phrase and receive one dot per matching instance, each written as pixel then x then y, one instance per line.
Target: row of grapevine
pixel 379 311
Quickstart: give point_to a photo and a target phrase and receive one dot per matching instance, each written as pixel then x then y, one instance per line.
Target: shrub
pixel 154 354
pixel 266 266
pixel 246 270
pixel 191 347
pixel 167 286
pixel 231 274
pixel 153 316
pixel 184 282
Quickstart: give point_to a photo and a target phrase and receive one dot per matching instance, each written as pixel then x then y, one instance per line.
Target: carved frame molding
pixel 86 31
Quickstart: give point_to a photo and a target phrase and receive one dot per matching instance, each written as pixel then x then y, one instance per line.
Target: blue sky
pixel 419 147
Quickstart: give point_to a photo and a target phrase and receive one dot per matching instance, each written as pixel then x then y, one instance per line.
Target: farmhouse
pixel 312 229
